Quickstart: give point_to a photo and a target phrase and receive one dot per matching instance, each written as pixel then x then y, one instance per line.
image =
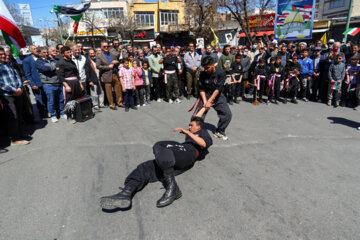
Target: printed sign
pixel 294 19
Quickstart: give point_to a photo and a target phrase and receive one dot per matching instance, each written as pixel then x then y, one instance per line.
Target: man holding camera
pixel 170 62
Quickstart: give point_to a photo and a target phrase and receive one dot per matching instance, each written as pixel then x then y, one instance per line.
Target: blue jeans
pixel 129 98
pixel 55 97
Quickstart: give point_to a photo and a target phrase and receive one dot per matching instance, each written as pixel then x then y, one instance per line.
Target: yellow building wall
pixel 175 5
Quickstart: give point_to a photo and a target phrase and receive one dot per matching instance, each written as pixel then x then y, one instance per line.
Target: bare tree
pixel 15 12
pixel 94 22
pixel 241 9
pixel 200 15
pixel 125 26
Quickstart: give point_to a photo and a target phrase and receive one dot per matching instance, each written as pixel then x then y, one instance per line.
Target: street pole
pixel 348 20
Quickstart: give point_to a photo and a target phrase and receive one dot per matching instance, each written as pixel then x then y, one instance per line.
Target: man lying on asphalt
pixel 171 158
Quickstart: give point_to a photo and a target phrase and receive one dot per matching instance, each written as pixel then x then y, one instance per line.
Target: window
pixel 168 18
pixel 108 12
pixel 336 4
pixel 144 19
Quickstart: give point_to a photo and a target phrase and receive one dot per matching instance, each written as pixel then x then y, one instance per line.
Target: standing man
pixel 192 63
pixel 170 62
pixel 245 63
pixel 225 62
pixel 10 97
pixel 211 84
pixel 33 76
pixel 114 51
pixel 316 86
pixel 51 83
pixel 209 52
pixel 156 68
pixel 87 75
pixel 96 90
pixel 106 62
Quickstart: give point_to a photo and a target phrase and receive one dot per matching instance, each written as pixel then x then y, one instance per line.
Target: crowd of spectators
pixel 266 72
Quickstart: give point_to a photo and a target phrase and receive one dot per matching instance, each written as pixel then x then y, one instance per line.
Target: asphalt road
pixel 286 172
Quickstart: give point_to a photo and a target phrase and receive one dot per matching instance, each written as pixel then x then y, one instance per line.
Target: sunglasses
pixel 105 46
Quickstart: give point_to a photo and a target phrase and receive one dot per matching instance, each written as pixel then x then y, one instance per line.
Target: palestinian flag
pixel 352 31
pixel 10 31
pixel 74 13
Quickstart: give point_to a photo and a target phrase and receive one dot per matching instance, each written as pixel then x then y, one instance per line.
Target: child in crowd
pixel 147 81
pixel 260 76
pixel 236 70
pixel 293 71
pixel 336 76
pixel 353 82
pixel 128 85
pixel 276 71
pixel 139 83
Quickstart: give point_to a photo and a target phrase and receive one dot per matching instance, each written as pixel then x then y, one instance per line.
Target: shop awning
pixel 258 34
pixel 320 30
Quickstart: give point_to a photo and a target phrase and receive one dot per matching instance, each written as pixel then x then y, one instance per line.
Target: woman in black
pixel 171 158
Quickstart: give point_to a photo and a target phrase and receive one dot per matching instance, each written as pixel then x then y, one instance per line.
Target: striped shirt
pixel 9 80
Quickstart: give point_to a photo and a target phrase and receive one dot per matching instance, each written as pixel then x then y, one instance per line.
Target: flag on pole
pixel 324 39
pixel 10 30
pixel 74 13
pixel 352 31
pixel 216 39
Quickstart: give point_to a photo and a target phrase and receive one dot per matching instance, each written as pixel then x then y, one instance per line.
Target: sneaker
pixel 138 106
pixel 54 119
pixel 143 105
pixel 294 101
pixel 19 143
pixel 177 100
pixel 126 109
pixel 171 101
pixel 134 108
pixel 220 135
pixel 329 103
pixel 72 121
pixel 64 116
pixel 285 101
pixel 319 101
pixel 336 104
pixel 305 100
pixel 158 100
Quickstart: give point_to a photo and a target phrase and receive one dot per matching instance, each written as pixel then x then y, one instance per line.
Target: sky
pixel 40 10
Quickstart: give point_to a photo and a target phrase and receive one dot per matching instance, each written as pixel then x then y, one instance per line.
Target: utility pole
pixel 59 26
pixel 348 20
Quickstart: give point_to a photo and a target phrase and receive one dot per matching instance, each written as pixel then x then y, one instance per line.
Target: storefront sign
pixel 267 20
pixel 97 32
pixel 147 34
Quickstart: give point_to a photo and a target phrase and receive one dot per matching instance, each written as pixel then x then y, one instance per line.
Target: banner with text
pixel 294 19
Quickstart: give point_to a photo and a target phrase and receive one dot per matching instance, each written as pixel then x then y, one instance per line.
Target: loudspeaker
pixel 83 109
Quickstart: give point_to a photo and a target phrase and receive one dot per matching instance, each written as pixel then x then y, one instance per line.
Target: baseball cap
pixel 318 49
pixel 294 57
pixel 331 41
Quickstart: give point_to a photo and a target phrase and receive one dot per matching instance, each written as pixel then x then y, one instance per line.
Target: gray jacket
pixel 245 65
pixel 191 62
pixel 337 71
pixel 47 71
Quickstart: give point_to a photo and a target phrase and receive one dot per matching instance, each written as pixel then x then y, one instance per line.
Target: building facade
pixel 162 21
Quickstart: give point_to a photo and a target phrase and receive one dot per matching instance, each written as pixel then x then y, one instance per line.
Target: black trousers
pixel 170 158
pixel 13 113
pixel 156 93
pixel 316 81
pixel 261 90
pixel 276 89
pixel 223 111
pixel 293 88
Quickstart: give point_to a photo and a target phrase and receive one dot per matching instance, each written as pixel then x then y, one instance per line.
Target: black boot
pixel 172 192
pixel 121 200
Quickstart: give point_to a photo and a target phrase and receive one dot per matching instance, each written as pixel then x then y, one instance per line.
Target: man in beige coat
pixel 107 64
